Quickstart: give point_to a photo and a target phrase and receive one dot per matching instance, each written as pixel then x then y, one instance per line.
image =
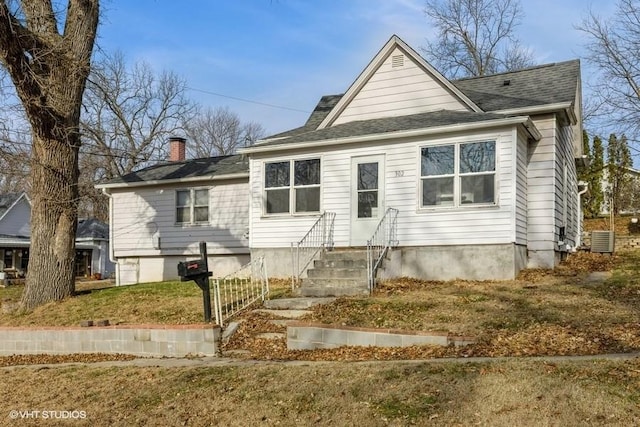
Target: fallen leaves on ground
pixel 38 359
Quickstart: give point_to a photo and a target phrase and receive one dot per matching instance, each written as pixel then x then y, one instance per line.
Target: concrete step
pixel 335 291
pixel 338 255
pixel 335 282
pixel 295 303
pixel 340 263
pixel 337 273
pixel 288 314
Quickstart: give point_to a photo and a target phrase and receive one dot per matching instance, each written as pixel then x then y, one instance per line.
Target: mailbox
pixel 190 269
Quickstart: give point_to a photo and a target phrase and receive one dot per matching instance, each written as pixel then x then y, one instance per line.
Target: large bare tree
pixel 475 37
pixel 219 131
pixel 614 49
pixel 129 113
pixel 47 54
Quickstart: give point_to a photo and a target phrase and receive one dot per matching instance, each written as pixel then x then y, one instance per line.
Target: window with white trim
pixel 297 192
pixel 192 206
pixel 458 174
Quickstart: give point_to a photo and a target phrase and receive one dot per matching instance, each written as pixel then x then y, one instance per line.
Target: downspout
pixel 111 236
pixel 580 193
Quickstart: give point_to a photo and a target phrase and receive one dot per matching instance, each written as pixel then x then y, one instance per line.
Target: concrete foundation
pixel 157 269
pixel 278 260
pixel 469 262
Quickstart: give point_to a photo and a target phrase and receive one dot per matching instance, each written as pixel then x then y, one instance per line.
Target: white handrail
pixel 383 238
pixel 319 237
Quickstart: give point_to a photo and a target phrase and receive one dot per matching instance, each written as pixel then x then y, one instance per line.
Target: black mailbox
pixel 190 269
pixel 198 271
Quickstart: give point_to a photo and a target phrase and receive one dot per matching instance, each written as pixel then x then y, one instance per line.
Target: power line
pixel 248 100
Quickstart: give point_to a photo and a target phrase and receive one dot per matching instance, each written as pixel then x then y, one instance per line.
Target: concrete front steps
pixel 337 273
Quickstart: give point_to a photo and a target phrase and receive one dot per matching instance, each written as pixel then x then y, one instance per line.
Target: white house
pixel 158 216
pixel 92 240
pixel 481 170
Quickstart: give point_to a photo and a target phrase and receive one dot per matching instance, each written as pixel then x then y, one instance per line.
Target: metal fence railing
pixel 383 238
pixel 319 237
pixel 239 290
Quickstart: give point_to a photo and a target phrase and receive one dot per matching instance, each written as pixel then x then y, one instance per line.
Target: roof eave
pixel 487 124
pixel 189 180
pixel 566 107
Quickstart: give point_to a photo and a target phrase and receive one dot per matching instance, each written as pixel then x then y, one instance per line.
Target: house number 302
pixel 399 174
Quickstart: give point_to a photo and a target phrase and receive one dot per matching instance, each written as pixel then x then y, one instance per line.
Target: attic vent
pixel 506 83
pixel 602 241
pixel 397 61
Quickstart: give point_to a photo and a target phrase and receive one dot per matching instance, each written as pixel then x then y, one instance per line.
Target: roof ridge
pixel 533 67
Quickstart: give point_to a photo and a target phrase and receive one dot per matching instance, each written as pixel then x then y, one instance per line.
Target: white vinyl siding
pixel 544 183
pixel 521 190
pixel 456 226
pixel 150 211
pixel 397 91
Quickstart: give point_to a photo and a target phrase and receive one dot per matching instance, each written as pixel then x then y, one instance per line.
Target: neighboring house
pixel 482 170
pixel 92 249
pixel 632 199
pixel 158 216
pixel 92 240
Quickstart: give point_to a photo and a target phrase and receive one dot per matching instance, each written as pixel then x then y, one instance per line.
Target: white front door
pixel 367 197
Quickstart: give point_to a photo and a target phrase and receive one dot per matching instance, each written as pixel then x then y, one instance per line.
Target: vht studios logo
pixel 53 415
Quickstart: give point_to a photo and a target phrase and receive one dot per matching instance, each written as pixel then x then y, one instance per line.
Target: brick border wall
pixel 305 336
pixel 138 340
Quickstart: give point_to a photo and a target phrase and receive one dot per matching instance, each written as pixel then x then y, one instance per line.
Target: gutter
pixel 580 193
pixel 567 107
pixel 112 258
pixel 524 120
pixel 172 181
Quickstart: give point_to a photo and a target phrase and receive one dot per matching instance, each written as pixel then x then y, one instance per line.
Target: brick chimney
pixel 177 149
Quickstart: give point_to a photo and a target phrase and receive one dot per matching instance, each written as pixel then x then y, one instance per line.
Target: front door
pixel 367 197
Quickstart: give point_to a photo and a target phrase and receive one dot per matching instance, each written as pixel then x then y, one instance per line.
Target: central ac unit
pixel 602 241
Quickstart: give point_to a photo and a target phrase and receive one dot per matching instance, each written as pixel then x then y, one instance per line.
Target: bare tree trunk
pixel 54 195
pixel 49 71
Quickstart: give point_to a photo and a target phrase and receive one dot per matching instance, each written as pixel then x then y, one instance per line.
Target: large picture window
pixel 458 174
pixel 192 206
pixel 297 192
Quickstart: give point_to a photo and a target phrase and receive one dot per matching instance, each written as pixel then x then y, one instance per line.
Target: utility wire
pixel 248 100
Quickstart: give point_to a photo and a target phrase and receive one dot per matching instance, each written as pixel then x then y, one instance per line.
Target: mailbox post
pixel 198 271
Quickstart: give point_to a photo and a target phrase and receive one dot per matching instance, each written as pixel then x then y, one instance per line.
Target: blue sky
pixel 290 52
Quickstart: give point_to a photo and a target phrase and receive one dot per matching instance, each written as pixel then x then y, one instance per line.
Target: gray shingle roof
pixel 530 87
pixel 92 228
pixel 541 85
pixel 323 108
pixel 386 125
pixel 206 167
pixel 7 200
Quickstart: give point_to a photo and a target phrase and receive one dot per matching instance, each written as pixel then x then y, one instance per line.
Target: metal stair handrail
pixel 383 238
pixel 319 237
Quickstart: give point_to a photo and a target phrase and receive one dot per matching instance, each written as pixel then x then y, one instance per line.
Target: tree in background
pixel 613 49
pixel 618 179
pixel 592 175
pixel 219 132
pixel 475 37
pixel 128 114
pixel 47 56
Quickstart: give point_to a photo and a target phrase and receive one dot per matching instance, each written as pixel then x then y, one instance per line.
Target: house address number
pixel 399 174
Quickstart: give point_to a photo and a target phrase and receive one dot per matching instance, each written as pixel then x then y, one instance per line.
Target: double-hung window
pixel 458 174
pixel 292 186
pixel 192 206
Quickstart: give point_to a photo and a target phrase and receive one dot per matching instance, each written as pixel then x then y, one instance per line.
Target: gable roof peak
pixel 363 78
